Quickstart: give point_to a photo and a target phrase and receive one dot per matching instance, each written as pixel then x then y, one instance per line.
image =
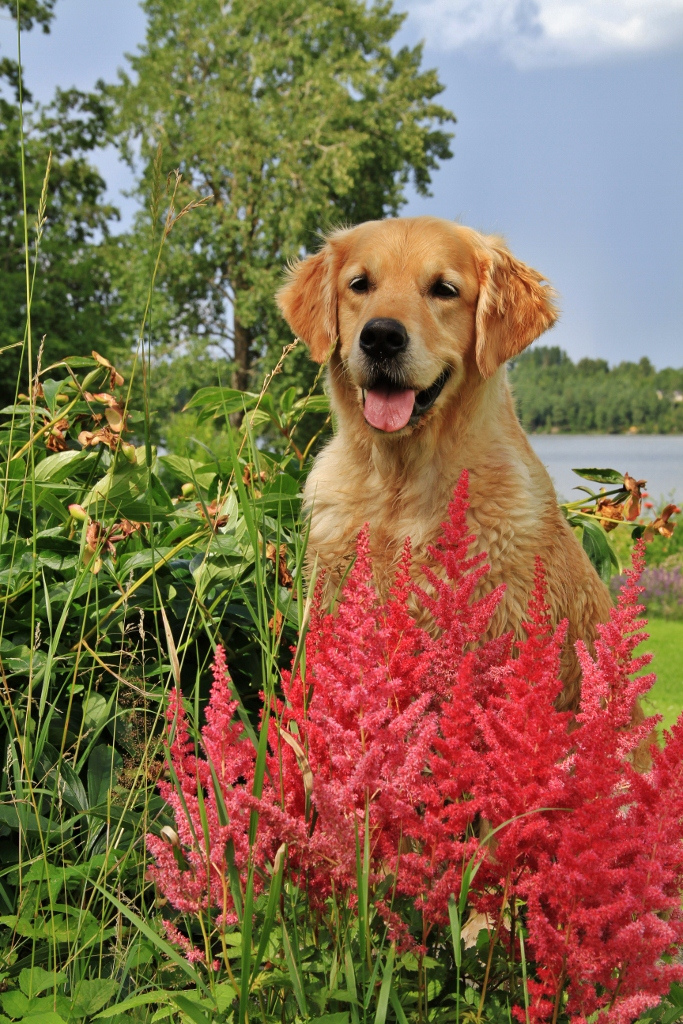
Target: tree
pixel 73 296
pixel 286 116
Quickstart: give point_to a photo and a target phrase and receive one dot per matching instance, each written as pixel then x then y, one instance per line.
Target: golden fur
pixel 400 483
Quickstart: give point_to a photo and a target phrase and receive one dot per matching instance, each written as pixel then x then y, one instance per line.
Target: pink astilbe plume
pixel 193 870
pixel 450 746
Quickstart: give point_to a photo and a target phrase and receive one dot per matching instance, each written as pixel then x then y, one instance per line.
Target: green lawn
pixel 666 642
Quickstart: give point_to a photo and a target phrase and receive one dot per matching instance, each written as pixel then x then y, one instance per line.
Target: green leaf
pixel 454 918
pixel 271 908
pixel 189 469
pixel 91 996
pixel 143 999
pixel 191 1009
pixel 218 400
pixel 46 499
pixel 18 814
pixel 600 476
pixel 598 549
pixel 95 711
pixel 34 980
pixel 397 1008
pixel 14 1003
pixel 61 465
pixel 44 1017
pixel 103 764
pixel 14 470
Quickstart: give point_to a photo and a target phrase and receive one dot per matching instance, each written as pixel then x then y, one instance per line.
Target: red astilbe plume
pixel 450 599
pixel 604 899
pixel 438 738
pixel 496 763
pixel 364 714
pixel 365 710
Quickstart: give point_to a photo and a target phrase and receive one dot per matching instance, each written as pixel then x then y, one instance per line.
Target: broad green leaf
pixel 15 1003
pixel 43 1017
pixel 34 980
pixel 600 476
pixel 143 999
pixel 95 710
pixel 189 470
pixel 103 764
pixel 598 549
pixel 61 465
pixel 219 401
pixel 13 470
pixel 294 974
pixel 91 996
pixel 15 815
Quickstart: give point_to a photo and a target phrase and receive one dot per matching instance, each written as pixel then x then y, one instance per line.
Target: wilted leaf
pixel 634 488
pixel 609 512
pixel 279 560
pixel 661 524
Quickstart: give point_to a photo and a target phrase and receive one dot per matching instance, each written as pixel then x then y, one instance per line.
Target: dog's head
pixel 410 307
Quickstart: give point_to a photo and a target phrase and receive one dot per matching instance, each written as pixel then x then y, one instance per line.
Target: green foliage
pixel 119 570
pixel 287 118
pixel 553 393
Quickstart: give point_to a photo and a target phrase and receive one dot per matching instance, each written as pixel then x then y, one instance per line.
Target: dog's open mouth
pixel 388 407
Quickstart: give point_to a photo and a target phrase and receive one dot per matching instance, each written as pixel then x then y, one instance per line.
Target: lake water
pixel 657 458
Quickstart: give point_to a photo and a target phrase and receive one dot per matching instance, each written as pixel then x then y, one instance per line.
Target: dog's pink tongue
pixel 388 410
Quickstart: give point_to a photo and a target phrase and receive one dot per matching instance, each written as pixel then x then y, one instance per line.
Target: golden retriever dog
pixel 418 317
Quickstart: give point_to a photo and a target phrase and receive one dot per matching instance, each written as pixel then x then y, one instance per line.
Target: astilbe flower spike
pixel 440 738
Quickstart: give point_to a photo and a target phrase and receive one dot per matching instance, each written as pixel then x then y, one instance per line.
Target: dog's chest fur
pixel 513 515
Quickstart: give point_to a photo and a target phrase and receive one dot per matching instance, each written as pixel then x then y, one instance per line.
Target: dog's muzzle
pixel 389 407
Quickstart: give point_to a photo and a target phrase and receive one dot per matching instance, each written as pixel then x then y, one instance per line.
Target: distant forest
pixel 553 394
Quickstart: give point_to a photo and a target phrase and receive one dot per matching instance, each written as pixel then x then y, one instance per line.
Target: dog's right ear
pixel 309 301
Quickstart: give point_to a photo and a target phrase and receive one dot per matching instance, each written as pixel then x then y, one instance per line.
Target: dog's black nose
pixel 383 338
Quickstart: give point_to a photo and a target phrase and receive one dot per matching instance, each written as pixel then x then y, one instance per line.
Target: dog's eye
pixel 359 284
pixel 445 290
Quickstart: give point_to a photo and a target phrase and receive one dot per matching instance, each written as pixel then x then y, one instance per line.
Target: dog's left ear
pixel 308 301
pixel 515 305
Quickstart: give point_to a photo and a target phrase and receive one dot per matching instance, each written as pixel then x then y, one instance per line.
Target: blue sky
pixel 568 142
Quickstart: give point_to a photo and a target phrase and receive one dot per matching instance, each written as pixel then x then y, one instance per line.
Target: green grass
pixel 666 643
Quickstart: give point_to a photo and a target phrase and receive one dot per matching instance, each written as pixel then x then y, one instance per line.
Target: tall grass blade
pixel 294 971
pixel 271 908
pixel 386 988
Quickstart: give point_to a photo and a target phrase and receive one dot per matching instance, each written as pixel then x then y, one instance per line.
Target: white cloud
pixel 534 33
